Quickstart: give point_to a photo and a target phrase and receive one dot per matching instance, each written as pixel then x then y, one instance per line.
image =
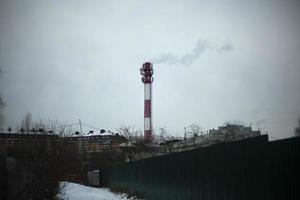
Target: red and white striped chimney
pixel 147 79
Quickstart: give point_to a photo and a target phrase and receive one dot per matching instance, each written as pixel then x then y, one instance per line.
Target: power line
pixel 60 126
pixel 74 124
pixel 90 126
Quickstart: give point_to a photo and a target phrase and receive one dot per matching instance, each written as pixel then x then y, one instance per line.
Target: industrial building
pixel 89 143
pixel 95 142
pixel 231 132
pixel 227 133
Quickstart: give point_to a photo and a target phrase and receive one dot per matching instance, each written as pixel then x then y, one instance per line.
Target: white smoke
pixel 190 58
pixel 225 47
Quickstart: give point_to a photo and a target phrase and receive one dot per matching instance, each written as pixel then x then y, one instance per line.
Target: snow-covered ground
pixel 73 191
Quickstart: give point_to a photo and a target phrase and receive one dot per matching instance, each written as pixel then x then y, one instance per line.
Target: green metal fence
pixel 285 169
pixel 241 170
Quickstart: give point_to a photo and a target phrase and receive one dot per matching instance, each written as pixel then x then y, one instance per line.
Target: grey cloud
pixel 2 104
pixel 1 100
pixel 225 47
pixel 67 61
pixel 190 58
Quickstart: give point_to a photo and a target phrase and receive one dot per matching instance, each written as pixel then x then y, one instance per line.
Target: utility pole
pixel 81 152
pixel 80 139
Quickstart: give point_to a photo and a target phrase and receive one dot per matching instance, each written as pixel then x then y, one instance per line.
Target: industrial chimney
pixel 147 79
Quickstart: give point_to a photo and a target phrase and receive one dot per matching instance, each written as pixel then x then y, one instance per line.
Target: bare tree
pixel 129 133
pixel 26 123
pixel 167 139
pixel 134 141
pixel 42 163
pixel 59 128
pixel 162 134
pixel 51 126
pixel 39 125
pixel 192 131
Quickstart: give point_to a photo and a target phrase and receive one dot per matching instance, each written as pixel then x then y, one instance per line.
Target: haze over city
pixel 214 62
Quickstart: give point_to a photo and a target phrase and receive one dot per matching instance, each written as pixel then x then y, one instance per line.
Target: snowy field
pixel 73 191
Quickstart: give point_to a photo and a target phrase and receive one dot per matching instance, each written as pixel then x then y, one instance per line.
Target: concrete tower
pixel 147 79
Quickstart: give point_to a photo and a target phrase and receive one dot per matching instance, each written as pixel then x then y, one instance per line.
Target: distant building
pixel 89 143
pixel 297 130
pixel 231 132
pixel 11 141
pixel 96 142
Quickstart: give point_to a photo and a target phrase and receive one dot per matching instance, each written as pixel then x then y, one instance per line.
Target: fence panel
pixel 284 170
pixel 243 170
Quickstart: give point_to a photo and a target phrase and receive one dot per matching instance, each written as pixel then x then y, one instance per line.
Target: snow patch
pixel 74 191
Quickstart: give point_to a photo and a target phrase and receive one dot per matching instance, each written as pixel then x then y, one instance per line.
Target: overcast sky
pixel 214 61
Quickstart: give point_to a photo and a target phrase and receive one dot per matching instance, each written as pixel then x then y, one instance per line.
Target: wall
pixel 285 169
pixel 243 170
pixel 3 178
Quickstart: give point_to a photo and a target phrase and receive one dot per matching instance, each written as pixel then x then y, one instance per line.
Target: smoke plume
pixel 225 47
pixel 187 59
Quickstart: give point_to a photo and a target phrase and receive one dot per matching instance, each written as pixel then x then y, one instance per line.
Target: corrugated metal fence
pixel 250 169
pixel 285 169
